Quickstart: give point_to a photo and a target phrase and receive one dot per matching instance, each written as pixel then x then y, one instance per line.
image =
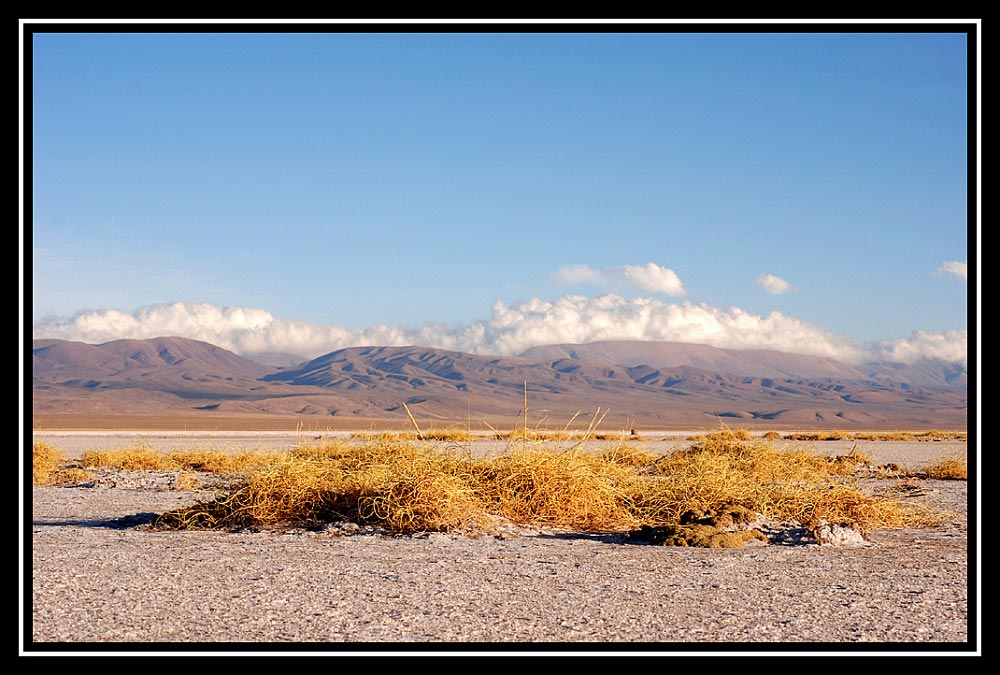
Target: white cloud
pixel 949 346
pixel 510 329
pixel 773 285
pixel 649 277
pixel 579 274
pixel 652 277
pixel 955 268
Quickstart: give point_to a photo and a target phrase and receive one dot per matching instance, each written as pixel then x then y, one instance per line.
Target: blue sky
pixel 304 192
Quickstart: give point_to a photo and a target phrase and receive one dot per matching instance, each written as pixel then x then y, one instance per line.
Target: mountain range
pixel 655 385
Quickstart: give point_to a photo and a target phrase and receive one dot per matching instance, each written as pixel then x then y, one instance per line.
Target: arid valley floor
pixel 97 585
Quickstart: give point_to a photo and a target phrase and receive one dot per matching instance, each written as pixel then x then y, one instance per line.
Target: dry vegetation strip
pixel 144 458
pixel 931 435
pixel 49 467
pixel 407 486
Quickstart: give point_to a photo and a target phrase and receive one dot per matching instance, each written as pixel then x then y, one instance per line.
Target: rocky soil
pixel 99 579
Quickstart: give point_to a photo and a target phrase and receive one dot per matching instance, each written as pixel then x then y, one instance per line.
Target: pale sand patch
pixel 908 590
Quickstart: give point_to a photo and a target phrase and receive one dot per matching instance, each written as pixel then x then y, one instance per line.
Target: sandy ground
pixel 95 585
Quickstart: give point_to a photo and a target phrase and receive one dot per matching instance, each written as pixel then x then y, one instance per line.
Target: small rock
pixel 339 528
pixel 832 534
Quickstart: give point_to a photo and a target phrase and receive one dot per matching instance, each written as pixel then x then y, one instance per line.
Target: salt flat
pixel 95 582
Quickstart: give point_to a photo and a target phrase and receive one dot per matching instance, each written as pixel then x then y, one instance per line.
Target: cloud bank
pixel 649 277
pixel 510 330
pixel 955 268
pixel 773 285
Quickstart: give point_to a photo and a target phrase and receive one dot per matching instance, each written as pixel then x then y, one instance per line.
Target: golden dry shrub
pixel 411 487
pixel 137 458
pixel 49 466
pixel 948 468
pixel 780 484
pixel 222 463
pixel 817 436
pixel 332 450
pixel 448 435
pixel 847 464
pixel 938 435
pixel 724 434
pixel 188 481
pixel 211 461
pixel 883 436
pixel 693 479
pixel 845 504
pixel 45 461
pixel 571 488
pixel 385 436
pixel 293 493
pixel 401 487
pixel 627 454
pixel 417 498
pixel 358 453
pixel 538 435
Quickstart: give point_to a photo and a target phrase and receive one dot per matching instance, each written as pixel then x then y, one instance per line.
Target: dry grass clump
pixel 780 484
pixel 138 458
pixel 771 436
pixel 817 436
pixel 847 464
pixel 385 436
pixel 542 435
pixel 145 458
pixel 45 461
pixel 937 435
pixel 883 436
pixel 221 463
pixel 49 466
pixel 448 435
pixel 536 435
pixel 409 487
pixel 361 456
pixel 846 504
pixel 571 488
pixel 948 468
pixel 401 487
pixel 932 435
pixel 273 495
pixel 627 454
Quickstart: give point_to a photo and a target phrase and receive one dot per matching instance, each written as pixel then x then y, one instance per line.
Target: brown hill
pixel 440 384
pixel 166 376
pixel 188 377
pixel 119 356
pixel 753 362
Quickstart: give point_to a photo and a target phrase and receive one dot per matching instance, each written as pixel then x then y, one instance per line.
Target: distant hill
pixel 922 373
pixel 165 358
pixel 754 362
pixel 277 359
pixel 751 362
pixel 656 385
pixel 159 374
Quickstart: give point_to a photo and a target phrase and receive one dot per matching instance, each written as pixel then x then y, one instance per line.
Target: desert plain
pixel 99 585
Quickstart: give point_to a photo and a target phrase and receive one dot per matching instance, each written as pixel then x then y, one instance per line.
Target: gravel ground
pixel 98 585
